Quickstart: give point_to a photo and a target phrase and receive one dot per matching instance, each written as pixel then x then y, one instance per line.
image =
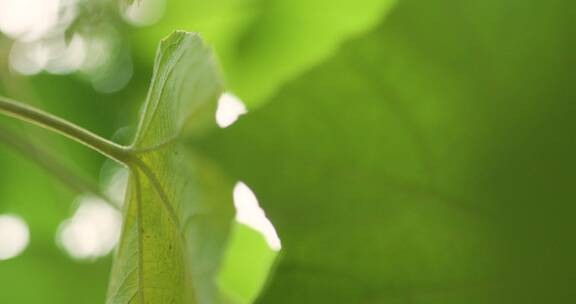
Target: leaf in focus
pixel 177 212
pixel 430 161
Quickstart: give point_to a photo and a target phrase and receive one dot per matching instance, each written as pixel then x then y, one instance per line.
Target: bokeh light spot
pixel 92 232
pixel 229 109
pixel 144 12
pixel 28 19
pixel 14 236
pixel 249 213
pixel 117 185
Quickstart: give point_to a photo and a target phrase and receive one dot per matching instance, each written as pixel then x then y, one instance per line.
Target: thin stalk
pixel 38 117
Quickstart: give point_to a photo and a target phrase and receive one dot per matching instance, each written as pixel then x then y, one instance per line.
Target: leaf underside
pixel 176 214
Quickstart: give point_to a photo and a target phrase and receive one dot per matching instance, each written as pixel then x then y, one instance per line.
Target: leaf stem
pixel 38 117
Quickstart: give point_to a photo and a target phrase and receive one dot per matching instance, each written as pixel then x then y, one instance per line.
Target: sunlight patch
pixel 28 19
pixel 144 12
pixel 14 236
pixel 117 185
pixel 229 109
pixel 249 213
pixel 92 232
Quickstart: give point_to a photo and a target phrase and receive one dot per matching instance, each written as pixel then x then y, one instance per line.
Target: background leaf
pixel 428 162
pixel 264 43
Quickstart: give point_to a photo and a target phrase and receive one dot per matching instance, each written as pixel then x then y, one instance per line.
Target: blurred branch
pixel 52 165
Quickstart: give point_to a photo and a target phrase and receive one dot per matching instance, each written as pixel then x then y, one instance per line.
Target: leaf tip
pixel 179 37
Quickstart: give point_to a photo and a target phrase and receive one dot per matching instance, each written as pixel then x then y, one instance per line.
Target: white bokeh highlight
pixel 41 43
pixel 144 12
pixel 229 109
pixel 27 20
pixel 249 213
pixel 14 236
pixel 55 56
pixel 28 58
pixel 117 186
pixel 66 57
pixel 92 232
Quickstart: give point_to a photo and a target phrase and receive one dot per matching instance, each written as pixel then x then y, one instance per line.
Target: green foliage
pixel 426 160
pixel 177 214
pixel 246 265
pixel 264 43
pixel 424 163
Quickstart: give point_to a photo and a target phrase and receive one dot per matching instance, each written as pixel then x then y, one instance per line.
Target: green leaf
pixel 246 265
pixel 430 161
pixel 264 43
pixel 286 38
pixel 177 212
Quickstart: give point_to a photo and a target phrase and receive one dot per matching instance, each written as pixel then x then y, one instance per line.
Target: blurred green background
pixel 407 151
